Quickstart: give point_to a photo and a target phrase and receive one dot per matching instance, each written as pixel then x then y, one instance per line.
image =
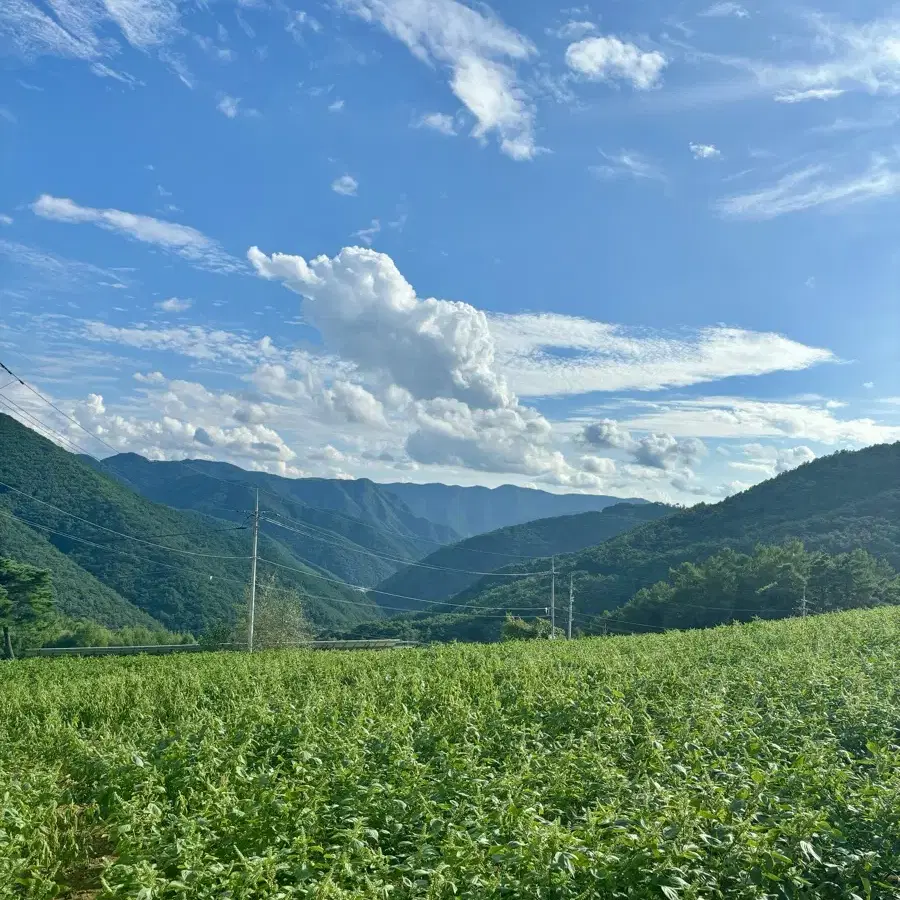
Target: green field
pixel 755 761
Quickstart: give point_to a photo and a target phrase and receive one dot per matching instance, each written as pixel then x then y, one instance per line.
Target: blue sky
pixel 639 249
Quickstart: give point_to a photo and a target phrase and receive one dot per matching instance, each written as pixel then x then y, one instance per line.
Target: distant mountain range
pixel 837 503
pixel 335 524
pixel 497 550
pixel 477 510
pixel 120 559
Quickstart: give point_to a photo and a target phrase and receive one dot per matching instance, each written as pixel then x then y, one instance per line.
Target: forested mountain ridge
pixel 497 549
pixel 195 581
pixel 364 535
pixel 837 503
pixel 476 510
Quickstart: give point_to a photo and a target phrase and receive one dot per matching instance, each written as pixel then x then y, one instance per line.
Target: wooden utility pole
pixel 571 603
pixel 553 597
pixel 253 576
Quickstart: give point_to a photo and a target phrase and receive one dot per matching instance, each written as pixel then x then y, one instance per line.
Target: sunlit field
pixel 755 761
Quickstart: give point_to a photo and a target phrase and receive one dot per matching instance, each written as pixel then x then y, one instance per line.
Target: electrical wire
pixel 407 562
pixel 130 537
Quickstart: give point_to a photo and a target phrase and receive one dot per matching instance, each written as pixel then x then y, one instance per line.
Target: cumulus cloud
pixel 183 240
pixel 769 460
pixel 572 30
pixel 480 52
pixel 610 59
pixel 346 185
pixel 657 450
pixel 704 151
pixel 5 219
pixel 370 315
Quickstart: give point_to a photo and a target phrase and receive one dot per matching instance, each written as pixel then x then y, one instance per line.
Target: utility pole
pixel 553 597
pixel 571 602
pixel 803 601
pixel 253 575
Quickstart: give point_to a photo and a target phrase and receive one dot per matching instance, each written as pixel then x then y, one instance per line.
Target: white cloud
pixel 480 51
pixel 704 151
pixel 181 239
pixel 769 460
pixel 440 122
pixel 610 357
pixel 610 59
pixel 174 305
pixel 598 465
pixel 346 186
pixel 737 417
pixel 856 56
pixel 193 341
pixel 811 94
pixel 813 187
pixel 370 315
pixel 228 106
pixel 725 9
pixel 367 235
pixel 572 30
pixel 657 450
pixel 336 106
pixel 627 164
pixel 868 385
pixel 80 30
pixel 5 219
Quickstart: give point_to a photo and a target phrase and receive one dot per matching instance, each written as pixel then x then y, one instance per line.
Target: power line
pixel 37 423
pixel 446 606
pixel 358 549
pixel 130 537
pixel 247 485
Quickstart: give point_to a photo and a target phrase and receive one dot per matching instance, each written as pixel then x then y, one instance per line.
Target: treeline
pixel 771 583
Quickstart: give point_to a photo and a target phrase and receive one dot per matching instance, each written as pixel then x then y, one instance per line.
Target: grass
pixel 754 761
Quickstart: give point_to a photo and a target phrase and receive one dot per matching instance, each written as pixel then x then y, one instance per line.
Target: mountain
pixel 79 595
pixel 338 525
pixel 496 549
pixel 835 504
pixel 187 571
pixel 476 510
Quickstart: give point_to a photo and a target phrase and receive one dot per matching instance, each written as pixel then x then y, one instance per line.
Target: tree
pixel 26 601
pixel 518 629
pixel 279 620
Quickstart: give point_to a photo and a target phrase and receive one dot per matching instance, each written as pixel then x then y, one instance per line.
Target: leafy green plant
pixel 757 762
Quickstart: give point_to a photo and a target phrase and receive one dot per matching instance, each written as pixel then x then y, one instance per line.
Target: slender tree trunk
pixel 7 644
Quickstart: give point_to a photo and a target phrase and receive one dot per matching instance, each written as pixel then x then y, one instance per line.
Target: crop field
pixel 755 761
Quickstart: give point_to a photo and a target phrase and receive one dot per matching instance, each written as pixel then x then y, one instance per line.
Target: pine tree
pixel 26 600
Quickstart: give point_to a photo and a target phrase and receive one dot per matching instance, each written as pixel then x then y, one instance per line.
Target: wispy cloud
pixel 439 122
pixel 76 30
pixel 480 51
pixel 183 240
pixel 812 187
pixel 601 356
pixel 811 94
pixel 367 235
pixel 726 9
pixel 627 164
